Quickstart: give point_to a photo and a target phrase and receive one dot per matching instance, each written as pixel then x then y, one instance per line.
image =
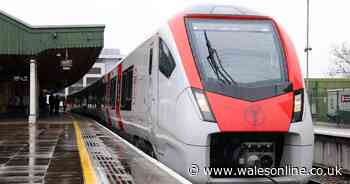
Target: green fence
pixel 323 108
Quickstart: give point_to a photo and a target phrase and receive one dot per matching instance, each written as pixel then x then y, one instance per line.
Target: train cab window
pixel 150 61
pixel 127 85
pixel 239 58
pixel 166 60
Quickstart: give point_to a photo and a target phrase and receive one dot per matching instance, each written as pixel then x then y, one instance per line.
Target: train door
pixel 167 99
pixel 152 91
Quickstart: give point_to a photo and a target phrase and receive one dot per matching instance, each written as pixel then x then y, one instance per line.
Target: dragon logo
pixel 254 115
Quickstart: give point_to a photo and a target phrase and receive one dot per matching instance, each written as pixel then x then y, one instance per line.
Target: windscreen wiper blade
pixel 215 64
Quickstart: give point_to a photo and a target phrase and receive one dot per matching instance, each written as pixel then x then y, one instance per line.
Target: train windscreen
pixel 236 57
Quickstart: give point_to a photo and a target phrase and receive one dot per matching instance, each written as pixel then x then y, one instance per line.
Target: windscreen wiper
pixel 215 64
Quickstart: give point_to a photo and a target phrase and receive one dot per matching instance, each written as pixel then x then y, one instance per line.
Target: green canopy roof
pixel 49 45
pixel 19 38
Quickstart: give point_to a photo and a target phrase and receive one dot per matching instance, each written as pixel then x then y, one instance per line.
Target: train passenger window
pixel 150 61
pixel 102 96
pixel 127 84
pixel 112 92
pixel 166 60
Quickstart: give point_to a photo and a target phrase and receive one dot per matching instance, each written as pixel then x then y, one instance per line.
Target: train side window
pixel 166 60
pixel 150 61
pixel 112 92
pixel 103 95
pixel 127 85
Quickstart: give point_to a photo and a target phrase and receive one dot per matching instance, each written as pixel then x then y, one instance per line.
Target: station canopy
pixel 50 46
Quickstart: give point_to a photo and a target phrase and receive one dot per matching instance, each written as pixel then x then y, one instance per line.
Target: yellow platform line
pixel 86 164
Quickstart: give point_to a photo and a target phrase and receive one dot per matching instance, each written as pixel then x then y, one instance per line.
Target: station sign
pixel 345 98
pixel 66 64
pixel 21 78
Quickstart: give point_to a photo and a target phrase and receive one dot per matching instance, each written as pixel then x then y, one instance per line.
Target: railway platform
pixel 72 149
pixel 331 149
pixel 331 129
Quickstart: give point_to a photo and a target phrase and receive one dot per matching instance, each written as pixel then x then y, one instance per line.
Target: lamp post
pixel 308 48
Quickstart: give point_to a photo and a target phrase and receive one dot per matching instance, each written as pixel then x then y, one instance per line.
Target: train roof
pixel 222 10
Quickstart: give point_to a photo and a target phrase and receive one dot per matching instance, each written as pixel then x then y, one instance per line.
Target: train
pixel 215 87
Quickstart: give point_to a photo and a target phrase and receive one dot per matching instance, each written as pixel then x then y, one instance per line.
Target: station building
pixel 39 59
pixel 105 62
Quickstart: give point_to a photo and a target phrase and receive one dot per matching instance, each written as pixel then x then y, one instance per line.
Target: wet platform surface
pixel 42 153
pixel 48 152
pixel 120 163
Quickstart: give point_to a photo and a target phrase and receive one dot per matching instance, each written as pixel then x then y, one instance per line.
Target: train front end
pixel 245 80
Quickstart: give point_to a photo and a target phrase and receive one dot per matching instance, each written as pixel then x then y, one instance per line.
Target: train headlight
pixel 298 106
pixel 203 105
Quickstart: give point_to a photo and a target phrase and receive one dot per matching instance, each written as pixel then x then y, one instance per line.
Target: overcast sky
pixel 130 22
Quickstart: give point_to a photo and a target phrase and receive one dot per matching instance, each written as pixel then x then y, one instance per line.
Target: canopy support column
pixel 33 92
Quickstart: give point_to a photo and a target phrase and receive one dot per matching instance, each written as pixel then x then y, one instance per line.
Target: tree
pixel 340 59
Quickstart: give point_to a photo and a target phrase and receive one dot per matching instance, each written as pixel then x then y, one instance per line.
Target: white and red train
pixel 217 86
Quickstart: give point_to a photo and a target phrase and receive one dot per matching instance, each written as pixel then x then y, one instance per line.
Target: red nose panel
pixel 269 115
